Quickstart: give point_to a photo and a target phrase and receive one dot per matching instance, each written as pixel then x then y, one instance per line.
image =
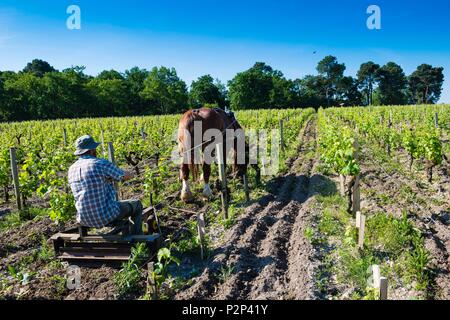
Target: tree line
pixel 40 91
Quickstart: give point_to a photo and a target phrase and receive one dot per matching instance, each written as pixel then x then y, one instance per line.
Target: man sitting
pixel 91 180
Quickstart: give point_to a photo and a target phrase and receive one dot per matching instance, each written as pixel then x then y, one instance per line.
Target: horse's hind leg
pixel 186 194
pixel 207 193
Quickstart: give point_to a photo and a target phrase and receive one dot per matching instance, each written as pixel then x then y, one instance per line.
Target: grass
pixel 128 279
pixel 393 243
pixel 17 218
pixel 59 284
pixel 225 273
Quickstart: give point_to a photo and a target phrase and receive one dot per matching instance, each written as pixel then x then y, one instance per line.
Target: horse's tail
pixel 186 144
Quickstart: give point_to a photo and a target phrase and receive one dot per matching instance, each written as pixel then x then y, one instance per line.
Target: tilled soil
pixel 266 250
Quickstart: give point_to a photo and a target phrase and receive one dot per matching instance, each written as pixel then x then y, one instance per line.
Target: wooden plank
pixel 97 245
pixel 96 250
pixel 105 237
pixel 66 256
pixel 66 236
pixel 145 238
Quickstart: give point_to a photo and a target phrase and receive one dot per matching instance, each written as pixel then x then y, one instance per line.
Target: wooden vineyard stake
pixel 143 134
pixel 376 276
pixel 282 135
pixel 247 192
pixel 65 137
pixel 379 282
pixel 113 160
pixel 389 127
pixel 258 171
pixel 15 176
pixel 362 222
pixel 103 141
pixel 356 194
pixel 201 232
pixel 111 153
pixel 223 179
pixel 151 285
pixel 436 120
pixel 342 184
pixel 383 288
pixel 156 218
pixel 358 219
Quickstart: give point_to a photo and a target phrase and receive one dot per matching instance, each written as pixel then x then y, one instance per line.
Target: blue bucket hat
pixel 84 144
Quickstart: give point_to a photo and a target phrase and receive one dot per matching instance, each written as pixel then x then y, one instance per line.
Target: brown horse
pixel 200 130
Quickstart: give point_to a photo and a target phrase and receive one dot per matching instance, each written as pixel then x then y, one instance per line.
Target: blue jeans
pixel 133 209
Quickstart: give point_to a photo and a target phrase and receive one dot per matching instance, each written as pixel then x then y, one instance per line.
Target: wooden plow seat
pixel 77 247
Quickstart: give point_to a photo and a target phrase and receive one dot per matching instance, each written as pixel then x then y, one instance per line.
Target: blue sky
pixel 222 38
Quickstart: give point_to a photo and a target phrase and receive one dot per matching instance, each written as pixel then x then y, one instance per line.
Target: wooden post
pixel 143 133
pixel 342 184
pixel 151 285
pixel 111 153
pixel 201 232
pixel 113 160
pixel 65 137
pixel 376 276
pixel 223 179
pixel 362 223
pixel 247 192
pixel 436 120
pixel 103 141
pixel 356 194
pixel 15 176
pixel 282 135
pixel 358 219
pixel 383 288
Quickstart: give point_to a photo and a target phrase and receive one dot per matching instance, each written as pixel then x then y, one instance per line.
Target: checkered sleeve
pixel 110 170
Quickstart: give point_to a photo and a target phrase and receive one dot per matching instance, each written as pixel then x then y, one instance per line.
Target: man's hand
pixel 128 176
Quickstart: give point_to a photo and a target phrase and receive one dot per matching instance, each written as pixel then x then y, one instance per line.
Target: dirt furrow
pixel 244 256
pixel 257 248
pixel 244 235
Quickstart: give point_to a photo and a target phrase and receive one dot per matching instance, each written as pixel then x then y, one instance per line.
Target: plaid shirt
pixel 91 180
